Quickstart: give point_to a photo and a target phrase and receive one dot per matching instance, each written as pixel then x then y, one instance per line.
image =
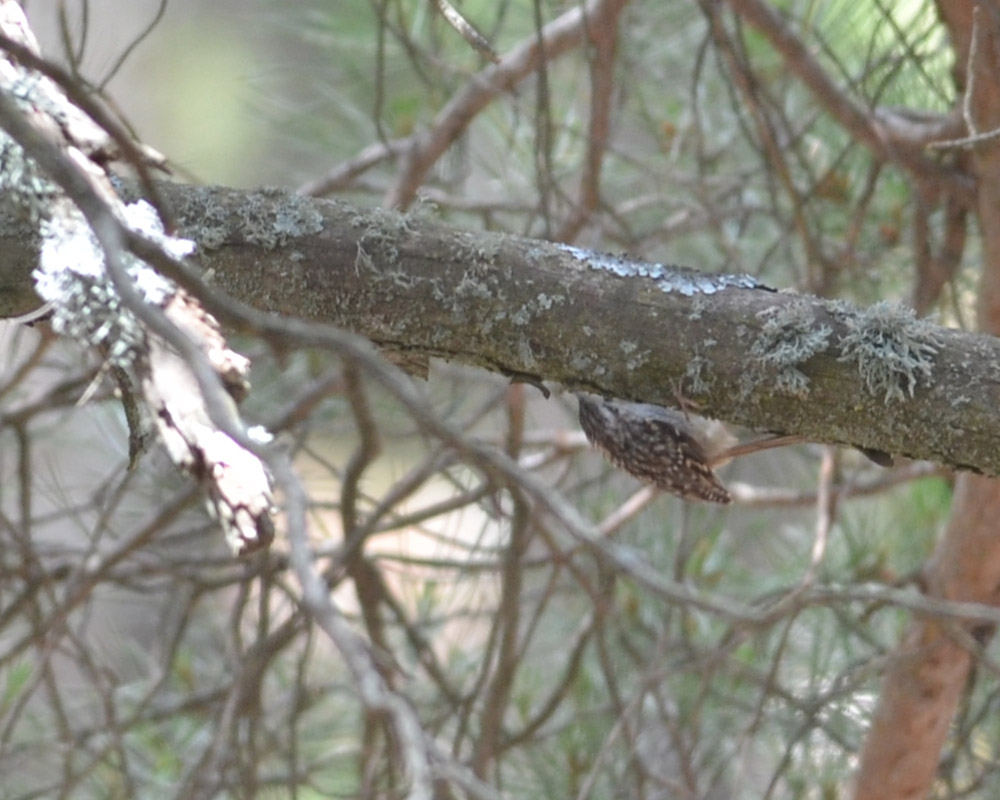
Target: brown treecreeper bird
pixel 675 452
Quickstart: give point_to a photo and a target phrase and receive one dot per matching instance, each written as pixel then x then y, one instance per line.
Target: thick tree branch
pixel 542 312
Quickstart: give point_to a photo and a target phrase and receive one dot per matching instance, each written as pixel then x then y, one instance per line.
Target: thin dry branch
pixel 602 85
pixel 421 151
pixel 559 36
pixel 466 30
pixel 896 144
pixel 773 152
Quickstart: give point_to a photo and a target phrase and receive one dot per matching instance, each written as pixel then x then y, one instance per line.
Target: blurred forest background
pixel 139 659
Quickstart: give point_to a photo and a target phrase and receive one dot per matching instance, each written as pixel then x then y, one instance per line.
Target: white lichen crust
pixel 71 277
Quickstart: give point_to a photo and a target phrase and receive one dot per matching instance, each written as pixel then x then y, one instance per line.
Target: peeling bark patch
pixel 668 278
pixel 234 479
pixel 892 349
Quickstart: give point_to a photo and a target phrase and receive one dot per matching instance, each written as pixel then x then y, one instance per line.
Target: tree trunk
pixel 929 671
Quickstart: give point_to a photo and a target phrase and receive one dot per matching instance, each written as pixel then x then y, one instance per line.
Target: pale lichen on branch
pixel 893 350
pixel 668 278
pixel 86 307
pixel 789 336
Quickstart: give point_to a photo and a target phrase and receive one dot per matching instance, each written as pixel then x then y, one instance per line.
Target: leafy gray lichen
pixel 208 220
pixel 270 224
pixel 788 337
pixel 268 218
pixel 891 348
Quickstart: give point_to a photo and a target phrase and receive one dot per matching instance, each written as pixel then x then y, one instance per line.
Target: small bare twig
pixel 467 30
